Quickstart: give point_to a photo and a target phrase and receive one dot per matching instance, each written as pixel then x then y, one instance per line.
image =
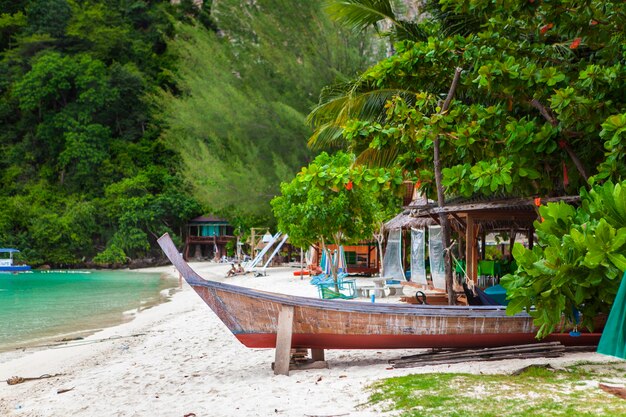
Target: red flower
pixel 546 28
pixel 349 185
pixel 575 43
pixel 594 22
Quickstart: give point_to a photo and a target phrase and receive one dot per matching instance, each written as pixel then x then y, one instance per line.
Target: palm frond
pixel 411 31
pixel 452 23
pixel 327 137
pixel 366 105
pixel 359 14
pixel 384 158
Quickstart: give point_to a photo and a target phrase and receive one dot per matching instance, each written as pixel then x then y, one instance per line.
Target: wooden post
pixel 511 243
pixel 283 341
pixel 252 243
pixel 317 354
pixel 483 245
pixel 470 249
pixel 531 237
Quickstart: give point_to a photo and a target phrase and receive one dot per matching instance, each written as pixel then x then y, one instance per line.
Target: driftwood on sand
pixel 14 380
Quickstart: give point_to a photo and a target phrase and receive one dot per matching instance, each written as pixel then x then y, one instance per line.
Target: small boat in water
pixel 6 264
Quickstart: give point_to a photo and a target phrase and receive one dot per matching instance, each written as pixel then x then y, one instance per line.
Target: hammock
pixel 392 261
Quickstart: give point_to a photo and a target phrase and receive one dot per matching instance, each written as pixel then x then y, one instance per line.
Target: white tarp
pixel 436 255
pixel 392 262
pixel 418 254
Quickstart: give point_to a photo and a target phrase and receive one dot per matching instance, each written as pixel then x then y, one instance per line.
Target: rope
pixel 14 380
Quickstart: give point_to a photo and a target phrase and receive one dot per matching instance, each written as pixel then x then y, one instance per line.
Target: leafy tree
pixel 522 94
pixel 48 16
pixel 333 200
pixel 577 263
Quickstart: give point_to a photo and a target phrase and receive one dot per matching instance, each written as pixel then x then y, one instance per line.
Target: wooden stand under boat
pixel 261 319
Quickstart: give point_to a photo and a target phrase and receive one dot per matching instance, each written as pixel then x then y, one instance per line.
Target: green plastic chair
pixel 486 268
pixel 347 289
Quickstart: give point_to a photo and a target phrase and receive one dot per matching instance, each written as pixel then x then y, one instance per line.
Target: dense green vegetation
pixel 87 88
pixel 239 124
pixel 332 200
pixel 82 170
pixel 539 110
pixel 578 265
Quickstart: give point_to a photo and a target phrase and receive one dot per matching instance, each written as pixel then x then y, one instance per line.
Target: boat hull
pixel 15 268
pixel 253 317
pixel 386 341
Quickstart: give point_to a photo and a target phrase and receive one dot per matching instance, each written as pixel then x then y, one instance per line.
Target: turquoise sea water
pixel 41 307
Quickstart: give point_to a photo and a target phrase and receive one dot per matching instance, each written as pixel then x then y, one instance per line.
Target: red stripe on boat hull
pixel 335 341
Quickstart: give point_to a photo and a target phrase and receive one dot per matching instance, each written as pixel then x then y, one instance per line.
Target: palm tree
pixel 364 101
pixel 360 99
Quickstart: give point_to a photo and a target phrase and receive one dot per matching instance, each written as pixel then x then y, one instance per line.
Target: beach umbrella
pixel 326 263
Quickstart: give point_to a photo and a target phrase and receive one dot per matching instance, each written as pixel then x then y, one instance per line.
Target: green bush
pixel 111 255
pixel 577 263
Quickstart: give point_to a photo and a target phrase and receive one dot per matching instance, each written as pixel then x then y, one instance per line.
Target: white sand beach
pixel 178 359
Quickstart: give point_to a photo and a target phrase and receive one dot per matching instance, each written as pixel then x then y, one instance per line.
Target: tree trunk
pixel 380 236
pixel 443 218
pixel 564 145
pixel 334 263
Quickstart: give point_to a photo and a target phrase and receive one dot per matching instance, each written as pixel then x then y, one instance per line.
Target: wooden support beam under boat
pixel 317 355
pixel 283 341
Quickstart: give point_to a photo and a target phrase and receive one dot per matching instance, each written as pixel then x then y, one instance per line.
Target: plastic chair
pixel 347 289
pixel 486 268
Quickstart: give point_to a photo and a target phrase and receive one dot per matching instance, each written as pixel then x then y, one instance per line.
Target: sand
pixel 177 358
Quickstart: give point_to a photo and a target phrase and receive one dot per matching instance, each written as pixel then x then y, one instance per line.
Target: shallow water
pixel 41 307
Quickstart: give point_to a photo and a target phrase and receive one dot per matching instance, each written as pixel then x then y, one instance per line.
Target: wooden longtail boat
pixel 253 317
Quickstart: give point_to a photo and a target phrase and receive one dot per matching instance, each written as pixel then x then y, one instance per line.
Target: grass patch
pixel 535 392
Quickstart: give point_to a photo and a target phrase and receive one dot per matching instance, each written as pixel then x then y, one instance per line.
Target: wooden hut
pixel 473 220
pixel 207 237
pixel 361 259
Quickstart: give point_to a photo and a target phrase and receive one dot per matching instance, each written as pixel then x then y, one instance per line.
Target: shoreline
pixel 47 336
pixel 177 358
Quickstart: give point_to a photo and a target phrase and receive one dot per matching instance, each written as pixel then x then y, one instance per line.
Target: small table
pixel 379 287
pixel 364 291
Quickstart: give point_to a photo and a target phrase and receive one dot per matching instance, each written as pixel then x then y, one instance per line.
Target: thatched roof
pixel 473 205
pixel 500 214
pixel 405 221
